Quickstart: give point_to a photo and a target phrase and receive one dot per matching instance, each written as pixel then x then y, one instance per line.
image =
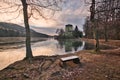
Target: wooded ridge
pixel 14 30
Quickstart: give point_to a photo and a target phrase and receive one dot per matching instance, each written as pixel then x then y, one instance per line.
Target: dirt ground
pixel 103 65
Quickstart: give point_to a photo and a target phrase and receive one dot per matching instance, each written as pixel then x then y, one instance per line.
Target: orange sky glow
pixel 73 12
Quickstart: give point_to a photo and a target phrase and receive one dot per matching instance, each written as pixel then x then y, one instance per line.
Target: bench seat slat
pixel 69 58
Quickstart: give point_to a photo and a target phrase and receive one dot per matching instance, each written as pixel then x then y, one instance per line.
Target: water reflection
pixel 10 53
pixel 71 45
pixel 47 48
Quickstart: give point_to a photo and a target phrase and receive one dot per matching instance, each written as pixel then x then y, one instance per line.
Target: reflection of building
pixel 71 45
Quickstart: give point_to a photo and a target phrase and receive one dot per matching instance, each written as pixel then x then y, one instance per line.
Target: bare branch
pixel 7 7
pixel 40 13
pixel 46 6
pixel 16 16
pixel 18 7
pixel 39 6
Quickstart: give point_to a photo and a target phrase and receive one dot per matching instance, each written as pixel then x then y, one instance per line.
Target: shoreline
pixel 103 65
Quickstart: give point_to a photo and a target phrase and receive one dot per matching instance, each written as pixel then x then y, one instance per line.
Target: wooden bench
pixel 75 60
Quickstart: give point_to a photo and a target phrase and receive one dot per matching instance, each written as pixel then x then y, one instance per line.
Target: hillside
pixel 14 30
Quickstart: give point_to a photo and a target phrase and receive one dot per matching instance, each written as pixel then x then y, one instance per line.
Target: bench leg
pixel 76 61
pixel 63 64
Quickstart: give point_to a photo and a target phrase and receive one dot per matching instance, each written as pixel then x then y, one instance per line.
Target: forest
pixel 107 20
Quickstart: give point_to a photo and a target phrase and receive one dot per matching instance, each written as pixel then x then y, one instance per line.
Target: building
pixel 68 28
pixel 68 31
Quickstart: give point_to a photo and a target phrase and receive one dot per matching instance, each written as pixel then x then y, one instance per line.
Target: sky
pixel 73 12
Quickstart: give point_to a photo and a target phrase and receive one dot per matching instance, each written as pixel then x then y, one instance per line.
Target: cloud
pixel 49 31
pixel 73 12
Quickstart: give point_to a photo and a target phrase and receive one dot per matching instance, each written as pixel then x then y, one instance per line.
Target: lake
pixel 13 48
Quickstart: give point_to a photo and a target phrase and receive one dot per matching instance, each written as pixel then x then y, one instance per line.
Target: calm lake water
pixel 13 49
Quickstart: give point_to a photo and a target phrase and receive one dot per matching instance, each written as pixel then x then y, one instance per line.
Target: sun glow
pixel 44 22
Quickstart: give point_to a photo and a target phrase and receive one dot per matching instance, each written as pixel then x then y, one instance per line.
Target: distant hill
pixel 14 30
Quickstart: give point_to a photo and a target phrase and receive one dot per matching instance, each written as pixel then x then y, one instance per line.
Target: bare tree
pixel 29 8
pixel 105 18
pixel 94 24
pixel 108 11
pixel 28 45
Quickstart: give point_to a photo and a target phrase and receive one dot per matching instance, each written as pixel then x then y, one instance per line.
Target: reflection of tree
pixel 70 44
pixel 89 46
pixel 77 44
pixel 61 42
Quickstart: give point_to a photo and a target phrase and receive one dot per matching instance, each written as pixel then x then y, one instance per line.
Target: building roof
pixel 68 25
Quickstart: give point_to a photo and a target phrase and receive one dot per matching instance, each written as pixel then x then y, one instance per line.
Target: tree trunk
pixel 94 24
pixel 26 23
pixel 97 41
pixel 96 36
pixel 105 34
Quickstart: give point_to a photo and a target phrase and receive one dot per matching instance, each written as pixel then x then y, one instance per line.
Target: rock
pixel 25 75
